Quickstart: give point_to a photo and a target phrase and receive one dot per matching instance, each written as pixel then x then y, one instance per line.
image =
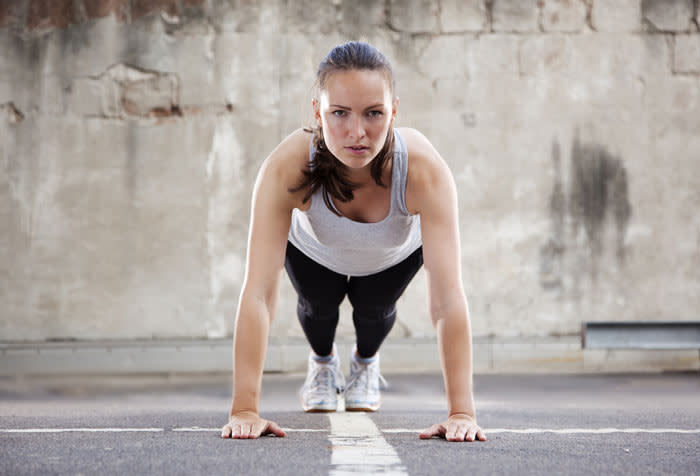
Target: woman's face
pixel 356 111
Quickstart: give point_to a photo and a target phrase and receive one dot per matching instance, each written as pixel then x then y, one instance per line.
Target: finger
pixel 245 431
pixel 471 433
pixel 435 430
pixel 226 431
pixel 273 428
pixel 481 435
pixel 254 430
pixel 428 433
pixel 453 432
pixel 236 431
pixel 257 429
pixel 458 435
pixel 260 428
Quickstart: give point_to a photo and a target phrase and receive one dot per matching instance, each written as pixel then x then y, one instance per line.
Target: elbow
pixel 453 308
pixel 266 295
pixel 256 304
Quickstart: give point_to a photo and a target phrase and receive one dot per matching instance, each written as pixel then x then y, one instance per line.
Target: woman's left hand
pixel 458 427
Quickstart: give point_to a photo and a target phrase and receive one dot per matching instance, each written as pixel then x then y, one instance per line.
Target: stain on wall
pixel 599 191
pixel 597 198
pixel 551 253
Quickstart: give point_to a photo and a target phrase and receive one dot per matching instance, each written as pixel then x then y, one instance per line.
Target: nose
pixel 357 128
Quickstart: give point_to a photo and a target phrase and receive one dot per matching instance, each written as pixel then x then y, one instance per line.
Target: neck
pixel 362 177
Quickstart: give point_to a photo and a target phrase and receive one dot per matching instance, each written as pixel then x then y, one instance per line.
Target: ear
pixel 395 108
pixel 317 111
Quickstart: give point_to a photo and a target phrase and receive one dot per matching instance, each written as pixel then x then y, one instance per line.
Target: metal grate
pixel 669 335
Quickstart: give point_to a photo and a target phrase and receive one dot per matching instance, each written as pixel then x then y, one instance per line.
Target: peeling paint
pixel 129 92
pixel 14 115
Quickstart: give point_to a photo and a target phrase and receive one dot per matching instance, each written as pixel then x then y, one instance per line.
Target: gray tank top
pixel 354 248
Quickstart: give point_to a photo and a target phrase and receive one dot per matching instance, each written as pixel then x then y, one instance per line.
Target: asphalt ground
pixel 535 424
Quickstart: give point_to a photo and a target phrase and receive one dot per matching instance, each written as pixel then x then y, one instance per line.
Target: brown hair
pixel 325 170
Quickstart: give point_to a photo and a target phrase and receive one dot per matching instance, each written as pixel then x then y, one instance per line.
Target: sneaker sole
pixel 319 408
pixel 362 408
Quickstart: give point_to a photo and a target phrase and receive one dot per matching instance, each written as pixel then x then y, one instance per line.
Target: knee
pixel 318 309
pixel 376 315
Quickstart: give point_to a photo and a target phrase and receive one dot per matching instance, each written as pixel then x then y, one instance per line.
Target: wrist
pixel 241 405
pixel 243 411
pixel 245 399
pixel 469 414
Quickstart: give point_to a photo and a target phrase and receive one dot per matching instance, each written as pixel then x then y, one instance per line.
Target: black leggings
pixel 373 299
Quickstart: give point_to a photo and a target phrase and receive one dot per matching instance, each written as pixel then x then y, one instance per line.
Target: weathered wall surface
pixel 131 132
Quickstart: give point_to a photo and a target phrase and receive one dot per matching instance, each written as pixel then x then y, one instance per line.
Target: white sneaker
pixel 362 392
pixel 323 386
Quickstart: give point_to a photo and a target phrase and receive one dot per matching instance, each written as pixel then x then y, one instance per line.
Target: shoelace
pixel 322 378
pixel 362 376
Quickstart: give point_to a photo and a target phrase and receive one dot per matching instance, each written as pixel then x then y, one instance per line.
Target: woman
pixel 353 207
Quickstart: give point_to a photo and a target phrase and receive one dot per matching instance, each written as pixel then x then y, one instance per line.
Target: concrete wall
pixel 131 132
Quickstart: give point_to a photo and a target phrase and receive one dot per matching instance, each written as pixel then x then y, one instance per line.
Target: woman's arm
pixel 271 213
pixel 434 194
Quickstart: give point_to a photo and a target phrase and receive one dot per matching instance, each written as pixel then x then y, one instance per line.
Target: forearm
pixel 250 346
pixel 455 345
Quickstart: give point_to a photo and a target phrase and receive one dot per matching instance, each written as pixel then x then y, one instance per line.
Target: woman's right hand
pixel 248 424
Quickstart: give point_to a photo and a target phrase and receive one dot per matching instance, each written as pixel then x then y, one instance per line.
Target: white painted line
pixel 367 433
pixel 142 430
pixel 196 429
pixel 358 447
pixel 74 430
pixel 305 430
pixel 564 431
pixel 568 431
pixel 403 430
pixel 288 430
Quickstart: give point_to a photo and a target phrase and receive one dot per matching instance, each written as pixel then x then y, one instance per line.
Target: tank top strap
pixel 400 173
pixel 312 149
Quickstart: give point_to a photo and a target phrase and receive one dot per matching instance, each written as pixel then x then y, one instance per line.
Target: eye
pixel 375 113
pixel 339 113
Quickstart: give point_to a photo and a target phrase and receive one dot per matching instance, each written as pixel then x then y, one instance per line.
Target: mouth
pixel 357 148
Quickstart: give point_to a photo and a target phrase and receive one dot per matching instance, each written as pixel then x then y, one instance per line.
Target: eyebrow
pixel 347 108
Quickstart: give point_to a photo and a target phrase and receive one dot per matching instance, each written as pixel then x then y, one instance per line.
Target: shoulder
pixel 284 166
pixel 292 151
pixel 427 170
